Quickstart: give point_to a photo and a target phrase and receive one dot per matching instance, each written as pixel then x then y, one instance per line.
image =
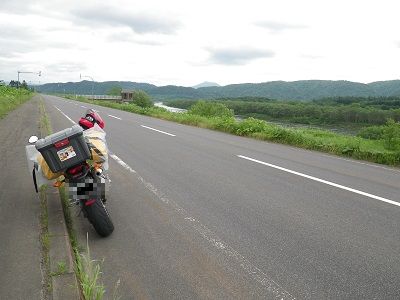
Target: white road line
pixel 322 181
pixel 271 288
pixel 83 106
pixel 65 115
pixel 122 163
pixel 170 134
pixel 115 117
pixel 363 163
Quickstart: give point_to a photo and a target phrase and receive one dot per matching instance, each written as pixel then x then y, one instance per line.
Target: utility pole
pixel 26 72
pixel 80 77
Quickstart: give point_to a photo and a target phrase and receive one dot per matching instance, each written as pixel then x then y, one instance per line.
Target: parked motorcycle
pixel 77 158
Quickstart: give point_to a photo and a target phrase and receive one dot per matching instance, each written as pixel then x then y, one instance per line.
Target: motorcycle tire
pixel 98 216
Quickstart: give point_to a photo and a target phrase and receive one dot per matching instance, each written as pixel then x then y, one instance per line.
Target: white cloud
pixel 275 26
pixel 187 42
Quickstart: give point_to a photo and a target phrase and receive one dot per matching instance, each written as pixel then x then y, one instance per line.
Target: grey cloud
pixel 17 7
pixel 123 37
pixel 17 33
pixel 138 22
pixel 66 67
pixel 239 56
pixel 15 48
pixel 274 26
pixel 16 40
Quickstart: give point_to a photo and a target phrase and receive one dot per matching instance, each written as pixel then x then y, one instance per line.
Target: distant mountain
pixel 85 87
pixel 205 84
pixel 293 90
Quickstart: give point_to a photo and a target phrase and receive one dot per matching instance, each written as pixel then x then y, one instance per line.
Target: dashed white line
pixel 170 134
pixel 322 181
pixel 83 106
pixel 115 117
pixel 273 289
pixel 65 115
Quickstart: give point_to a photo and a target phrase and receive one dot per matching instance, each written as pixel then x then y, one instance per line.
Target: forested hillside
pixel 295 90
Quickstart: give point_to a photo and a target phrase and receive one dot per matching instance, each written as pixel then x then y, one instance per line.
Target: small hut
pixel 127 95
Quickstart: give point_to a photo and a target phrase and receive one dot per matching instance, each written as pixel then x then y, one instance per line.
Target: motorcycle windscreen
pixel 32 156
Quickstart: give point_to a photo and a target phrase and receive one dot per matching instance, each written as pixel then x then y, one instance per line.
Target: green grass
pixel 312 139
pixel 44 220
pixel 61 269
pixel 11 98
pixel 87 270
pixel 89 275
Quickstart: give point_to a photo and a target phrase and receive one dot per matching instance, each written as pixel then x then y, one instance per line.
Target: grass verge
pixel 44 128
pixel 87 269
pixel 312 139
pixel 11 98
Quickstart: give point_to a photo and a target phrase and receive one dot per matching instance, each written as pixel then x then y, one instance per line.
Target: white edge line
pixel 322 181
pixel 362 163
pixel 122 163
pixel 73 122
pixel 114 117
pixel 170 134
pixel 251 270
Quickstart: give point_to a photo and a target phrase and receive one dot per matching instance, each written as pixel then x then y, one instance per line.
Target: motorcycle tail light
pixel 75 170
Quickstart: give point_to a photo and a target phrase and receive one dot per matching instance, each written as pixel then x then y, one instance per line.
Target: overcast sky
pixel 186 42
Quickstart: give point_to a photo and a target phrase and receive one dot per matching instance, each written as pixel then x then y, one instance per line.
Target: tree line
pixel 369 111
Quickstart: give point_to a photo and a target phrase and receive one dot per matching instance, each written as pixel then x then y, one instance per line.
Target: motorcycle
pixel 69 154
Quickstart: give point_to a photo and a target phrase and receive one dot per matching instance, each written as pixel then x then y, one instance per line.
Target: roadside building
pixel 127 95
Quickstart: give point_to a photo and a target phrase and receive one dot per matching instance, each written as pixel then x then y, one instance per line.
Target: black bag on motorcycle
pixel 64 149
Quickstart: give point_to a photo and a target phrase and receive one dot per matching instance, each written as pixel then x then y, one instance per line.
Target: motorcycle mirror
pixel 33 139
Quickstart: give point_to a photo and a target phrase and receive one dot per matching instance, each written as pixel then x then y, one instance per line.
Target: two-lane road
pixel 202 214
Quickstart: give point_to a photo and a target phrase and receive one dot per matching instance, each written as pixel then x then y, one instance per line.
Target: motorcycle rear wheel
pixel 98 216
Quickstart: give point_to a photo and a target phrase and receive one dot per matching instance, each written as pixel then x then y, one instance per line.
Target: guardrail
pixel 100 97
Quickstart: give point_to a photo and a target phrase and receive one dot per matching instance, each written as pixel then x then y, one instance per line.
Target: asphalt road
pixel 206 215
pixel 20 253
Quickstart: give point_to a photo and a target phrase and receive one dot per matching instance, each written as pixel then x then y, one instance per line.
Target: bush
pixel 391 135
pixel 142 99
pixel 209 109
pixel 11 97
pixel 251 125
pixel 371 132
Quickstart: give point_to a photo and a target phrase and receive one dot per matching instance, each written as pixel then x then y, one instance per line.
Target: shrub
pixel 251 125
pixel 391 135
pixel 11 97
pixel 209 109
pixel 142 99
pixel 371 132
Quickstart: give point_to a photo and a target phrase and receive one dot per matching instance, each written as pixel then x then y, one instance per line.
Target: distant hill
pixel 205 84
pixel 293 90
pixel 85 87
